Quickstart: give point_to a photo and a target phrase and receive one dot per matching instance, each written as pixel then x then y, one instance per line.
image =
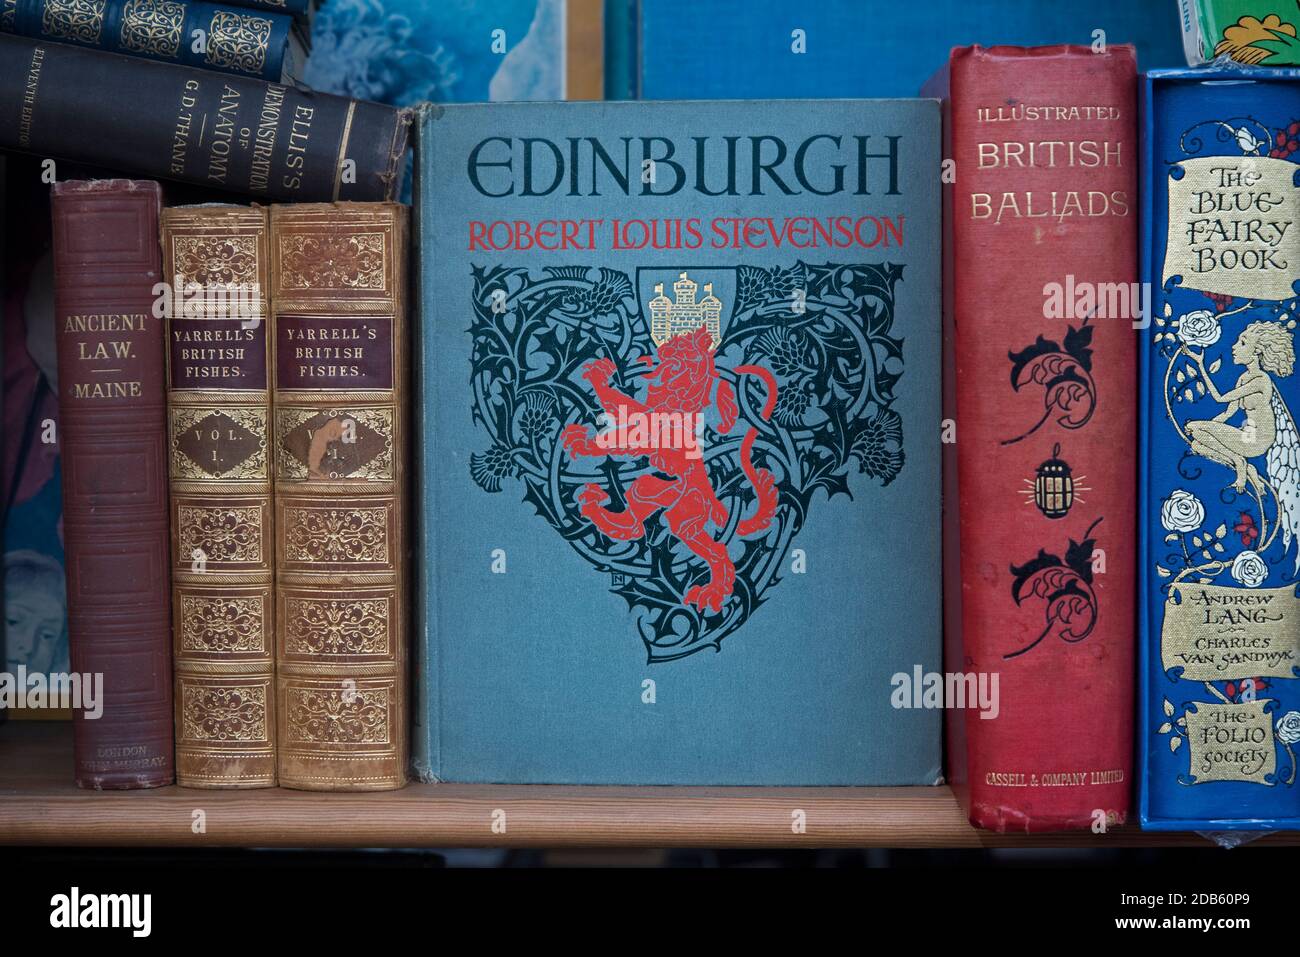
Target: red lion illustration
pixel 679 388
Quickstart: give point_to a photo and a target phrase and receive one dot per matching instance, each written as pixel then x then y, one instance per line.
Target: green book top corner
pixel 1251 32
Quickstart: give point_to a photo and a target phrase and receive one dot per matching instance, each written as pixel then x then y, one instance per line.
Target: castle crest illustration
pixel 678 443
pixel 669 318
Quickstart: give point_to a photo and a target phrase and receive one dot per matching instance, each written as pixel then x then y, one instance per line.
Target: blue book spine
pixel 221 37
pixel 678 469
pixel 836 48
pixel 1219 718
pixel 622 73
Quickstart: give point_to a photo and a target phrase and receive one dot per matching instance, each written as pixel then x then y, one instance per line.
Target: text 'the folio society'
pixel 1219 722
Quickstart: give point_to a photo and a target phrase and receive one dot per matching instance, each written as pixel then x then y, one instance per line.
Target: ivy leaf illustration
pixel 1079 557
pixel 1023 573
pixel 1078 343
pixel 1020 360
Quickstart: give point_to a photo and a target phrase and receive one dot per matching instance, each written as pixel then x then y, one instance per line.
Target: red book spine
pixel 112 413
pixel 1040 570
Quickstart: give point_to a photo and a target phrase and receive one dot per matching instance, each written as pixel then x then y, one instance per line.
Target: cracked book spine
pixel 112 420
pixel 339 366
pixel 219 414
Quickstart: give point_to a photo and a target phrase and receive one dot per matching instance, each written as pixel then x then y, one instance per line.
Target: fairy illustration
pixel 1265 350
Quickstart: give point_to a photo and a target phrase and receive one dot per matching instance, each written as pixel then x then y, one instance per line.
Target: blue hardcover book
pixel 766 48
pixel 1219 720
pixel 678 422
pixel 212 36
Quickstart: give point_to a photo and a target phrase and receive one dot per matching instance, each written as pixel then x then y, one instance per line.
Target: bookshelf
pixel 40 806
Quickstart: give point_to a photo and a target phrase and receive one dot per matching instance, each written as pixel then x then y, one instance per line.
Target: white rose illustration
pixel 1199 328
pixel 1249 569
pixel 1182 512
pixel 1288 727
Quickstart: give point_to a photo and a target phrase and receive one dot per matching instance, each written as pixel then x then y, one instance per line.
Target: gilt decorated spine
pixel 219 454
pixel 233 133
pixel 1040 497
pixel 339 391
pixel 112 420
pixel 234 39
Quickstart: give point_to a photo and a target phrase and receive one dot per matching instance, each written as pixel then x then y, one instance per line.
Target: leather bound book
pixel 112 422
pixel 238 41
pixel 1041 299
pixel 338 307
pixel 219 412
pixel 234 133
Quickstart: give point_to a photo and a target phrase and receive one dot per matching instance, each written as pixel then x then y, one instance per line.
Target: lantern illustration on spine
pixel 1054 489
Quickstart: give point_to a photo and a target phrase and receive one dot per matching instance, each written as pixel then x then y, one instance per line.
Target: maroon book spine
pixel 1040 508
pixel 112 411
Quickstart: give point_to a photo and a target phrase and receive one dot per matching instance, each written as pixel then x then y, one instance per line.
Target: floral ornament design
pixel 1286 141
pixel 826 333
pixel 1220 538
pixel 879 447
pixel 1253 41
pixel 795 407
pixel 1199 328
pixel 785 352
pixel 1182 512
pixel 1065 584
pixel 536 415
pixel 1201 552
pixel 327 261
pixel 1247 135
pixel 1175 728
pixel 224 714
pixel 1288 733
pixel 1249 569
pixel 1064 371
pixel 1288 727
pixel 324 716
pixel 492 467
pixel 1246 528
pixel 212 261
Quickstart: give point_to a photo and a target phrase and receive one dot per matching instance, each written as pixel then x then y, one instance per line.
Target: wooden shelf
pixel 39 805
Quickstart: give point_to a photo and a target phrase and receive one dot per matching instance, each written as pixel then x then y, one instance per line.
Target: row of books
pixel 698 484
pixel 230 349
pixel 269 39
